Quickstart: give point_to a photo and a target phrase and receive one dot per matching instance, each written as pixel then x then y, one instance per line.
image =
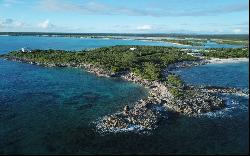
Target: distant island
pixel 204 36
pixel 149 66
pixel 185 39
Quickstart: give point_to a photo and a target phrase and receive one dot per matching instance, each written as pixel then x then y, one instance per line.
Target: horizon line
pixel 122 33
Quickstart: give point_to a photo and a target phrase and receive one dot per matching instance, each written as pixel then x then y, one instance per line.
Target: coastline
pixel 179 44
pixel 227 60
pixel 145 114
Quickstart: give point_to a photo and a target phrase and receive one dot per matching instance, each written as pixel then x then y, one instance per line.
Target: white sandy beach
pixel 228 60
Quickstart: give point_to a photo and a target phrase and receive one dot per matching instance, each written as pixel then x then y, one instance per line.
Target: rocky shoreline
pixel 184 64
pixel 227 60
pixel 146 113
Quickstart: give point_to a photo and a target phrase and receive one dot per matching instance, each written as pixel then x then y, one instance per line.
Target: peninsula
pixel 149 66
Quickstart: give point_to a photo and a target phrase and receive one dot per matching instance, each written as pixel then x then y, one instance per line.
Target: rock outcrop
pixel 146 113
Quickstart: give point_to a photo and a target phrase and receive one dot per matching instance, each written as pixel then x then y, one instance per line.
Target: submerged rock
pixel 140 116
pixel 147 113
pixel 126 110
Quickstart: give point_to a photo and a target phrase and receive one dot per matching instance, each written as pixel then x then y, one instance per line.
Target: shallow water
pixel 10 43
pixel 210 44
pixel 37 102
pixel 50 110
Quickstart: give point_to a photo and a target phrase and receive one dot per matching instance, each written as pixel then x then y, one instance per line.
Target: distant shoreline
pixel 226 60
pixel 160 38
pixel 228 36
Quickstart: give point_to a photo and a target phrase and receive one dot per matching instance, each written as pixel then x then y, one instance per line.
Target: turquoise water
pixel 210 44
pixel 39 103
pixel 51 110
pixel 9 43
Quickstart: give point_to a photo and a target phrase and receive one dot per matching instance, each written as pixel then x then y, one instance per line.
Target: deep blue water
pixel 224 74
pixel 36 101
pixel 51 110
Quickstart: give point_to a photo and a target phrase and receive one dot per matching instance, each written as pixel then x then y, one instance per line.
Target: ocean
pixel 52 110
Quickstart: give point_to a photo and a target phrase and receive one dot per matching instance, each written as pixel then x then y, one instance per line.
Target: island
pixel 190 42
pixel 149 66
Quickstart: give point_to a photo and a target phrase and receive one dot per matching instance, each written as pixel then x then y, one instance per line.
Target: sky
pixel 125 16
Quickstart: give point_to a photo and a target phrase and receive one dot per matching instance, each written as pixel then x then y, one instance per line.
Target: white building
pixel 133 48
pixel 26 49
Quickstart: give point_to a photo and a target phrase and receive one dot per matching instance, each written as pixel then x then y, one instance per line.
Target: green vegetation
pixel 175 84
pixel 191 42
pixel 148 71
pixel 244 42
pixel 145 61
pixel 227 53
pixel 198 36
pixel 174 80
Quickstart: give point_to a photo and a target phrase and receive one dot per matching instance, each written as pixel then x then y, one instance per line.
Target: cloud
pixel 219 10
pixel 7 21
pixel 236 31
pixel 144 27
pixel 8 3
pixel 92 7
pixel 46 24
pixel 11 23
pixel 88 8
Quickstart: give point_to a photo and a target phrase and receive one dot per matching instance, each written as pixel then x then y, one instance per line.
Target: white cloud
pixel 101 8
pixel 19 24
pixel 237 31
pixel 144 27
pixel 11 23
pixel 46 24
pixel 8 3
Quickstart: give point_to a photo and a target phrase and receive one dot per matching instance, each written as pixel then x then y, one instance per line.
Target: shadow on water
pixel 56 117
pixel 85 97
pixel 183 136
pixel 177 135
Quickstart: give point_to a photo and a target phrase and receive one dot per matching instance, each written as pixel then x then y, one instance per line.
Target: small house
pixel 24 49
pixel 133 48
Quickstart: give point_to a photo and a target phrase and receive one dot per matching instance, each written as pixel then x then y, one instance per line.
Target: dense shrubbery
pixel 186 42
pixel 232 41
pixel 175 85
pixel 146 61
pixel 174 80
pixel 227 53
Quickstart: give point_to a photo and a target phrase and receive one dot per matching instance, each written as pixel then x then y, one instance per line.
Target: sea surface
pixel 51 110
pixel 10 43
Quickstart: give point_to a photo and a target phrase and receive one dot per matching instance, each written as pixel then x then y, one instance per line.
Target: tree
pixel 150 71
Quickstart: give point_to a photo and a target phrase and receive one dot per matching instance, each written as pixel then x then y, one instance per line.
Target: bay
pixel 51 110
